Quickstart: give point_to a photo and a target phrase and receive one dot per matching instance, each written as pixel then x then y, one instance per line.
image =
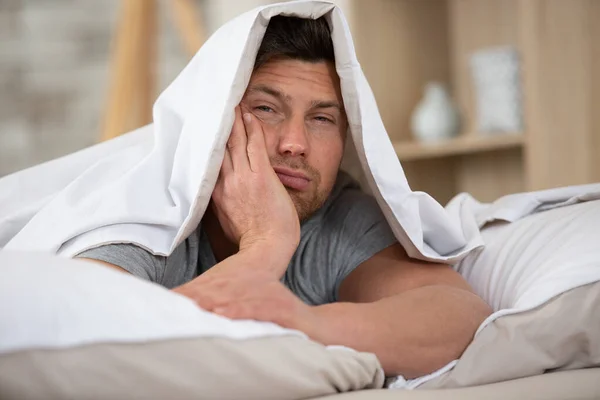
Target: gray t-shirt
pixel 348 230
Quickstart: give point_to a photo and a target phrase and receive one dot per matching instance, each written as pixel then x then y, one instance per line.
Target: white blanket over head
pixel 151 187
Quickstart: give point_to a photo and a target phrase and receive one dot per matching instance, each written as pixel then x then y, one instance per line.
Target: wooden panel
pixel 188 20
pixel 435 177
pixel 145 76
pixel 401 44
pixel 595 100
pixel 132 50
pixel 490 175
pixel 561 75
pixel 476 24
pixel 463 144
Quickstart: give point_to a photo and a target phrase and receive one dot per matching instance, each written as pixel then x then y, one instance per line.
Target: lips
pixel 292 179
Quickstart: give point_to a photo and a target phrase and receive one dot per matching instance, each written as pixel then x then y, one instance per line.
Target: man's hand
pixel 273 302
pixel 244 293
pixel 255 212
pixel 250 202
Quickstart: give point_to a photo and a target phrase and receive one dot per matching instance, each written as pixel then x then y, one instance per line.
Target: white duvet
pixel 151 187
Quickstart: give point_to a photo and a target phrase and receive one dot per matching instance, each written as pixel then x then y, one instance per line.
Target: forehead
pixel 294 76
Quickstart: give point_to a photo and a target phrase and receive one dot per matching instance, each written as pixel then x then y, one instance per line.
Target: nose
pixel 293 139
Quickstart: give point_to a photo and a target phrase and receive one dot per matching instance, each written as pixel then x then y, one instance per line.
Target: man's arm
pixel 129 258
pixel 415 316
pixel 254 265
pixel 255 212
pixel 105 264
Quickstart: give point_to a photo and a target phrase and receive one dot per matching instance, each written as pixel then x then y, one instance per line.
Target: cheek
pixel 270 138
pixel 329 156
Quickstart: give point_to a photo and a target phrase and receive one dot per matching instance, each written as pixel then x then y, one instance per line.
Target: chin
pixel 306 207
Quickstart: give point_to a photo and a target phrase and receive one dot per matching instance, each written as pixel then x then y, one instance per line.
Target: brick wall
pixel 54 58
pixel 54 67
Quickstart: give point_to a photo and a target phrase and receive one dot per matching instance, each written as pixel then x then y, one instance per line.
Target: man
pixel 288 238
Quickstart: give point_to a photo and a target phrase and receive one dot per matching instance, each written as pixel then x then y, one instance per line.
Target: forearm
pixel 264 258
pixel 252 266
pixel 272 257
pixel 413 333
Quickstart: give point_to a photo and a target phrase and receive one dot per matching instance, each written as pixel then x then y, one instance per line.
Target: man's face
pixel 299 105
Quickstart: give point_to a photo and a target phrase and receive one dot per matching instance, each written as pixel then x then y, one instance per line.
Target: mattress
pixel 574 384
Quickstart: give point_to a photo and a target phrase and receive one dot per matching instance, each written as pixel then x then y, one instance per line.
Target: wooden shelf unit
pixel 410 150
pixel 403 44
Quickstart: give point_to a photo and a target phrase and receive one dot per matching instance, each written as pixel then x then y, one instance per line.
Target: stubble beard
pixel 306 206
pixel 306 202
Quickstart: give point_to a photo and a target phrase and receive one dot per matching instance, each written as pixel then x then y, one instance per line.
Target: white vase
pixel 436 116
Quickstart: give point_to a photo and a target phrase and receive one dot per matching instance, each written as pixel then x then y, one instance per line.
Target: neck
pixel 221 246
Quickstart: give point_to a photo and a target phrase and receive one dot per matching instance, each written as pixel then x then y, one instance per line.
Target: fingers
pixel 258 156
pixel 227 165
pixel 237 142
pixel 226 168
pixel 258 309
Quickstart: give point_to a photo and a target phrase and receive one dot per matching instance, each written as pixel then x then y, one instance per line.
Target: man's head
pixel 295 93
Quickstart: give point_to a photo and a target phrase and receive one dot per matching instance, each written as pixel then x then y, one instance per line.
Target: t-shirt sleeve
pixel 360 231
pixel 131 258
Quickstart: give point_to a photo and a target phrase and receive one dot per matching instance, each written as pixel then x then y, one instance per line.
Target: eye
pixel 264 109
pixel 324 119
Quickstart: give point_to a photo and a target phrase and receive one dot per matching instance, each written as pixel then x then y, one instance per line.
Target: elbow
pixel 458 340
pixel 453 337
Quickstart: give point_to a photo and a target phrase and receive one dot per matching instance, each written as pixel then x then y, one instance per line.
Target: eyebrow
pixel 270 91
pixel 326 104
pixel 315 104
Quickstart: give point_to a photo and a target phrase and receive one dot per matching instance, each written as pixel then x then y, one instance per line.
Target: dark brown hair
pixel 296 38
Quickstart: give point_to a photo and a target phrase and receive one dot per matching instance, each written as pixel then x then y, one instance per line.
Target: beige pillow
pixel 540 273
pixel 71 329
pixel 563 334
pixel 284 367
pixel 582 384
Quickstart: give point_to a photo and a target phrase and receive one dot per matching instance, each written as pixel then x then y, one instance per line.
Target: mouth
pixel 292 179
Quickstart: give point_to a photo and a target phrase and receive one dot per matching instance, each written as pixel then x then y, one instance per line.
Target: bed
pixel 75 329
pixel 577 384
pixel 63 336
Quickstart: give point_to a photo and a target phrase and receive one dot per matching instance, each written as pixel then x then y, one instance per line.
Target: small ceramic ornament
pixel 436 116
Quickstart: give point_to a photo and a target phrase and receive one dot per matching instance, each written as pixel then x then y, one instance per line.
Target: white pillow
pixel 527 262
pixel 49 301
pixel 541 275
pixel 75 329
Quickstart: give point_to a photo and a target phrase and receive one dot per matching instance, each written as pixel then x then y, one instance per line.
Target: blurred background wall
pixel 57 68
pixel 54 70
pixel 54 62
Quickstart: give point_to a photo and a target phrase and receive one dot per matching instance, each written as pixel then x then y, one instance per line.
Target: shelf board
pixel 460 145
